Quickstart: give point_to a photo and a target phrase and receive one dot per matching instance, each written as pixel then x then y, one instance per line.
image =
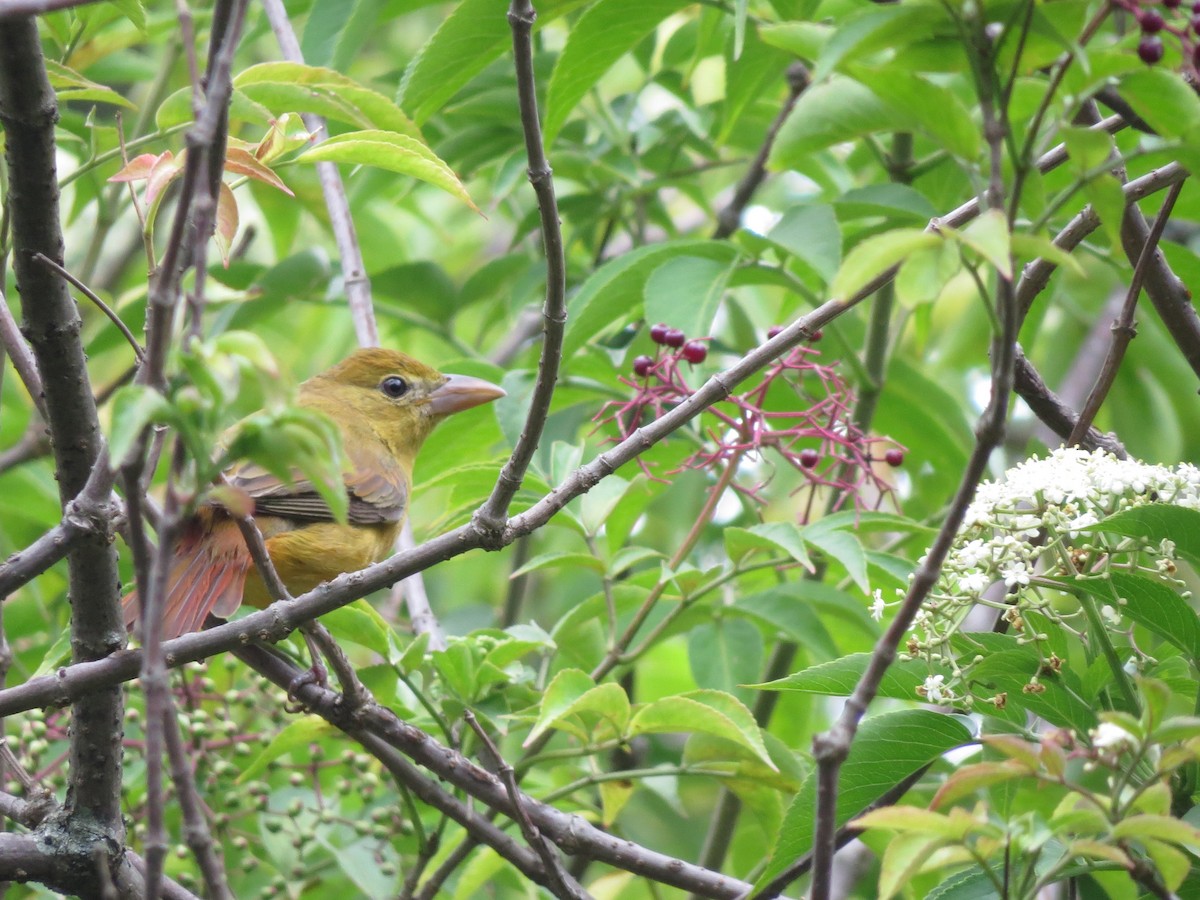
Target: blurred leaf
pixel 701 281
pixel 602 35
pixel 296 735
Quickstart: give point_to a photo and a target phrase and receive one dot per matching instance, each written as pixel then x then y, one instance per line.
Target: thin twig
pixel 562 884
pixel 1054 413
pixel 91 295
pixel 1123 328
pixel 22 357
pixel 490 518
pixel 729 218
pixel 195 829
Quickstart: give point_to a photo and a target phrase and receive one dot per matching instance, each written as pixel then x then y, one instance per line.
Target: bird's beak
pixel 462 392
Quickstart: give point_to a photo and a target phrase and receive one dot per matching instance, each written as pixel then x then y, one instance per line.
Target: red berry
pixel 773 331
pixel 894 457
pixel 674 338
pixel 695 352
pixel 1150 20
pixel 809 457
pixel 658 333
pixel 1196 7
pixel 1150 49
pixel 816 336
pixel 642 366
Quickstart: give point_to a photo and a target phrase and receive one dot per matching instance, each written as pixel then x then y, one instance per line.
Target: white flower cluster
pixel 1030 524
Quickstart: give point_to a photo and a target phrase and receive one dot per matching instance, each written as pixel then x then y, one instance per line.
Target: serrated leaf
pixel 711 712
pixel 887 749
pixel 572 691
pixel 392 151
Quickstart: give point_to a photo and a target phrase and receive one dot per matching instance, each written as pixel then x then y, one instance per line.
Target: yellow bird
pixel 386 404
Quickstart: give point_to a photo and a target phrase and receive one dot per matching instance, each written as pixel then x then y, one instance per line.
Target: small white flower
pixel 1167 548
pixel 935 690
pixel 877 606
pixel 973 582
pixel 1015 574
pixel 1111 736
pixel 1111 615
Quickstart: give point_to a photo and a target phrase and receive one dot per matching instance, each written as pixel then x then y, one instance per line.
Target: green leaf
pixel 725 654
pixel 838 677
pixel 353 624
pixel 1163 828
pixel 874 28
pixel 70 85
pixel 335 31
pixel 988 236
pixel 296 87
pixel 601 36
pixel 572 692
pixel 1162 98
pixel 711 712
pixel 556 559
pixel 474 34
pixel 1148 603
pixel 887 749
pixel 1107 200
pixel 932 109
pixel 134 406
pixel 702 281
pixel 297 735
pixel 875 255
pixel 842 546
pixel 812 235
pixel 614 293
pixel 392 151
pixel 1155 523
pixel 903 858
pixel 771 536
pixel 829 113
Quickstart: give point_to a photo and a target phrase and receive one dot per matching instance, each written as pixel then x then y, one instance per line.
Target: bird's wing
pixel 377 487
pixel 208 574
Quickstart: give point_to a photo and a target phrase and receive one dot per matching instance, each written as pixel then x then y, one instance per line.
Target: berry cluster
pixel 843 457
pixel 1184 24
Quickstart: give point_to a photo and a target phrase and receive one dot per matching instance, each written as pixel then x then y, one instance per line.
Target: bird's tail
pixel 208 575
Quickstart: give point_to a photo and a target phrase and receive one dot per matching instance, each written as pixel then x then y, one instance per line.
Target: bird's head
pixel 398 397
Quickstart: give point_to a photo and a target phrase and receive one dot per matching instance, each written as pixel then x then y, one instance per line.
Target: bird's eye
pixel 394 386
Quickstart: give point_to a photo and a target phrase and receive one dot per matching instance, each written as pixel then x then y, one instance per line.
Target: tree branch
pixel 490 517
pixel 28 112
